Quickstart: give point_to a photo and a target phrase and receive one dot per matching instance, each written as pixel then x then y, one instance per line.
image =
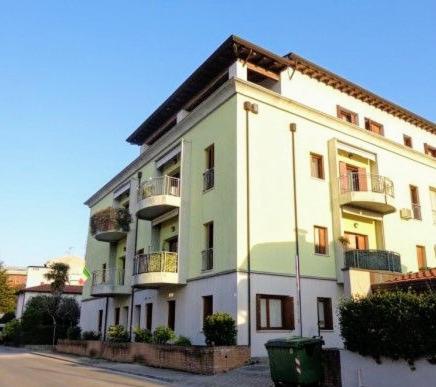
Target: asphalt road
pixel 19 368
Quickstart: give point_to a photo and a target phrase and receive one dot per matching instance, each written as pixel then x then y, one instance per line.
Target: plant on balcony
pixel 220 329
pixel 117 334
pixel 162 335
pixel 344 241
pixel 110 218
pixel 142 335
pixel 395 324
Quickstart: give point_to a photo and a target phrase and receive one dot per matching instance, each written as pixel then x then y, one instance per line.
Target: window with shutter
pixel 325 313
pixel 320 240
pixel 347 115
pixel 274 312
pixel 374 127
pixel 407 141
pixel 316 166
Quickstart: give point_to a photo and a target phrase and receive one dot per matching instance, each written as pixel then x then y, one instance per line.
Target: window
pixel 374 127
pixel 100 320
pixel 407 141
pixel 137 316
pixel 316 166
pixel 321 240
pixel 421 257
pixel 416 207
pixel 117 316
pixel 207 306
pixel 274 312
pixel 325 315
pixel 429 150
pixel 171 314
pixel 433 203
pixel 125 316
pixel 357 241
pixel 103 273
pixel 347 115
pixel 209 174
pixel 148 316
pixel 207 253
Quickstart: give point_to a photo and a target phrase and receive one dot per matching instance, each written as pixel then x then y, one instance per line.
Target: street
pixel 19 368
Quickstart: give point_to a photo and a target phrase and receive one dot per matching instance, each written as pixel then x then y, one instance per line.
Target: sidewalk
pixel 254 375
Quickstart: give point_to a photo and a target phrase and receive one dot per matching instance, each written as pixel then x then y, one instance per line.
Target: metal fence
pixel 162 185
pixel 111 276
pixel 366 182
pixel 208 179
pixel 161 261
pixel 373 260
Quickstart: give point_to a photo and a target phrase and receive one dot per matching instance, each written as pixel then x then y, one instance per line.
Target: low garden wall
pixel 195 359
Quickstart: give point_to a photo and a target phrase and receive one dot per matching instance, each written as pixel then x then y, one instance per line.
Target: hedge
pixel 397 325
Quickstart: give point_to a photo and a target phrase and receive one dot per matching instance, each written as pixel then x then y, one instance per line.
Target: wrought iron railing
pixel 162 185
pixel 111 276
pixel 207 259
pixel 161 261
pixel 110 219
pixel 361 182
pixel 208 179
pixel 373 260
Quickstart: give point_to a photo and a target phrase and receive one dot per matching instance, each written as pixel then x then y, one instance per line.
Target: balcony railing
pixel 111 276
pixel 366 182
pixel 161 261
pixel 110 219
pixel 207 259
pixel 434 216
pixel 162 185
pixel 373 260
pixel 208 179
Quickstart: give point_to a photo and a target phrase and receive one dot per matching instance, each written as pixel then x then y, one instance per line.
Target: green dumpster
pixel 295 361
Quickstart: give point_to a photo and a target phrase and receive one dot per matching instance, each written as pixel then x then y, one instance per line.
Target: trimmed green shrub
pixel 12 333
pixel 74 333
pixel 396 324
pixel 183 341
pixel 162 335
pixel 142 335
pixel 117 334
pixel 220 329
pixel 90 335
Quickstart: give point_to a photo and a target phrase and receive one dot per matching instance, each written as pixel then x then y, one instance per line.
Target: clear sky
pixel 77 77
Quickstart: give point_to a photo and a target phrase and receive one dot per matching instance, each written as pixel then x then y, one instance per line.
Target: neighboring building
pixel 202 240
pixel 25 295
pixel 17 276
pixel 36 283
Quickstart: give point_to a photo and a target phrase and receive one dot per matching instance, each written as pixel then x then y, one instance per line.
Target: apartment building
pixel 266 187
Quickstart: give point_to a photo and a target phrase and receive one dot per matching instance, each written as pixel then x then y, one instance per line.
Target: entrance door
pixel 357 241
pixel 171 314
pixel 172 244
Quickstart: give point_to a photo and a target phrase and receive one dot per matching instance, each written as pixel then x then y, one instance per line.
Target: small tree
pixel 58 275
pixel 7 292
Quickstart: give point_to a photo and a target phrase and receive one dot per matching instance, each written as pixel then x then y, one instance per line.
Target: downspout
pixel 132 294
pixel 293 129
pixel 248 107
pixel 105 319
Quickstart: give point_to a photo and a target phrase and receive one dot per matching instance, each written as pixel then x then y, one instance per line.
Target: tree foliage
pixel 7 293
pixel 58 276
pixel 398 325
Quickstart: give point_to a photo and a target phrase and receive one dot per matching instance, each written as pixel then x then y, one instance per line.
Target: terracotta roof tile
pixel 422 275
pixel 69 289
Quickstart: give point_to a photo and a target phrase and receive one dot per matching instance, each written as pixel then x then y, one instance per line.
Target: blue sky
pixel 77 77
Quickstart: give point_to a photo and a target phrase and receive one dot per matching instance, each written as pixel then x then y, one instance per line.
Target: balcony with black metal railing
pixel 109 282
pixel 110 224
pixel 156 269
pixel 381 260
pixel 157 196
pixel 367 191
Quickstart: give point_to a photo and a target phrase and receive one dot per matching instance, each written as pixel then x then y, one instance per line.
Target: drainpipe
pixel 253 108
pixel 293 129
pixel 105 319
pixel 132 294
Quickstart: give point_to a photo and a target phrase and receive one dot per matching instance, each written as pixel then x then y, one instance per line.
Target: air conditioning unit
pixel 406 213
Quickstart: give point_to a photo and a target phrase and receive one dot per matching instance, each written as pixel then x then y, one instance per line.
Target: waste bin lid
pixel 293 342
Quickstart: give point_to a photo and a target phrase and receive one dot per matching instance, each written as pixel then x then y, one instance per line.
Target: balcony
pixel 156 269
pixel 109 282
pixel 373 260
pixel 367 191
pixel 207 259
pixel 157 196
pixel 110 224
pixel 208 179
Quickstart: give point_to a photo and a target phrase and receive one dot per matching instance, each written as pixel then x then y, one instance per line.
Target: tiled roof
pixel 422 275
pixel 69 289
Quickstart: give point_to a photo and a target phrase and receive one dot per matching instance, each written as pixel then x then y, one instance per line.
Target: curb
pixel 96 365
